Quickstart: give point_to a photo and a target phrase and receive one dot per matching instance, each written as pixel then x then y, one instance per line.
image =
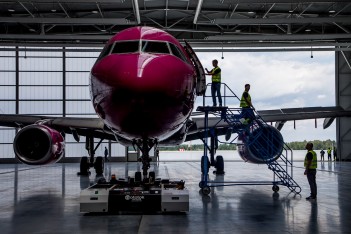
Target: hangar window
pixel 177 52
pixel 155 47
pixel 123 47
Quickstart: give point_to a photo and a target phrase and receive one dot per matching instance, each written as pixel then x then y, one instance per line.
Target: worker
pixel 247 107
pixel 106 154
pixel 310 165
pixel 335 154
pixel 329 153
pixel 216 82
pixel 322 154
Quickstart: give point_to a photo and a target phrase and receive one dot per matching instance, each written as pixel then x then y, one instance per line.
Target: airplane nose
pixel 144 72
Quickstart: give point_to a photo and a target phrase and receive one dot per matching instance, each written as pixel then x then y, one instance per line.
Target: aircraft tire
pixel 138 176
pixel 152 176
pixel 219 165
pixel 84 166
pixel 99 165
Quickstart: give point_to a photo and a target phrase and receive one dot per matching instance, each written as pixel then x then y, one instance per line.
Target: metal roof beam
pixel 283 37
pixel 274 21
pixel 71 21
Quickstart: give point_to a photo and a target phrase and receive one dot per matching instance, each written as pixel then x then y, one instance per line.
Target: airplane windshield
pixel 123 47
pixel 176 52
pixel 155 47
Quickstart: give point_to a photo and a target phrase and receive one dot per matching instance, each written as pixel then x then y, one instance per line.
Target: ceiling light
pixel 291 11
pixel 11 10
pixel 251 12
pixel 32 29
pixel 53 10
pixel 94 12
pixel 308 30
pixel 332 11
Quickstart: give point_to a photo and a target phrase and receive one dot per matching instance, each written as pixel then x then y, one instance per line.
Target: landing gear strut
pixel 144 146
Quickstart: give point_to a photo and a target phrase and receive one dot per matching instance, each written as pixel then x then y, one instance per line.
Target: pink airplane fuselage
pixel 140 88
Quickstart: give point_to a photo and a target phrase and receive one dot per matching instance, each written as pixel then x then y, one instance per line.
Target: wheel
pixel 205 161
pixel 84 166
pixel 99 165
pixel 206 190
pixel 275 188
pixel 219 165
pixel 152 176
pixel 138 176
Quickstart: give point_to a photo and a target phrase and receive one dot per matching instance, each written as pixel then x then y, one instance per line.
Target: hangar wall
pixel 343 99
pixel 51 82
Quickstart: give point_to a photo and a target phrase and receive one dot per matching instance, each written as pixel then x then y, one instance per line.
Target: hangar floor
pixel 46 200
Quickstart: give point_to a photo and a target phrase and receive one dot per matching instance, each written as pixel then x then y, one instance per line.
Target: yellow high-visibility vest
pixel 216 78
pixel 243 103
pixel 314 160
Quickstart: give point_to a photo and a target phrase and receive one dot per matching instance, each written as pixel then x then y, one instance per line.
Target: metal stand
pixel 255 136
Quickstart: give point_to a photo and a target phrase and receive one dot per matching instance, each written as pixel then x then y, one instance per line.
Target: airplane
pixel 143 87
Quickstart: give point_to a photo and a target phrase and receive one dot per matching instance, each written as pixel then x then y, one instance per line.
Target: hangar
pixel 62 33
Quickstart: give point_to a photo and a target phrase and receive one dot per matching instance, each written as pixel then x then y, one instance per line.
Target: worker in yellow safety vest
pixel 247 107
pixel 216 82
pixel 329 153
pixel 310 165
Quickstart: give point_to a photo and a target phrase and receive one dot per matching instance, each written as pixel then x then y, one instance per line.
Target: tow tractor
pixel 135 195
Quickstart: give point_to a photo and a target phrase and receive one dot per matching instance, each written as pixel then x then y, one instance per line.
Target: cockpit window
pixel 105 51
pixel 176 52
pixel 123 47
pixel 155 47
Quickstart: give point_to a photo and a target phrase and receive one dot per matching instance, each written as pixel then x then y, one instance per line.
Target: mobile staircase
pixel 257 142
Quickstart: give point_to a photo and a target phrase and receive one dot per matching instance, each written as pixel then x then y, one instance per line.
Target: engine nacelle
pixel 261 144
pixel 38 144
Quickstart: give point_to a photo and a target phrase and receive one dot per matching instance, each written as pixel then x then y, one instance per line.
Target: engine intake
pixel 261 144
pixel 38 145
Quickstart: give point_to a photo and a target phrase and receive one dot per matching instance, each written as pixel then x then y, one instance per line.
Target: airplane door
pixel 200 73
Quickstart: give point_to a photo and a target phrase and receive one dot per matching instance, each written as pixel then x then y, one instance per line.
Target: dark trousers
pixel 216 88
pixel 247 113
pixel 311 177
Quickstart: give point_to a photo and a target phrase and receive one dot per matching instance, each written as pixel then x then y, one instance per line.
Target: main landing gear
pixel 91 161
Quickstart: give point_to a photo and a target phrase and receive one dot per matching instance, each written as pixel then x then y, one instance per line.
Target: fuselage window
pixel 176 52
pixel 155 47
pixel 123 47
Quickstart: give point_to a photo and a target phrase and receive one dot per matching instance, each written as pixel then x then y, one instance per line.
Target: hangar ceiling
pixel 204 23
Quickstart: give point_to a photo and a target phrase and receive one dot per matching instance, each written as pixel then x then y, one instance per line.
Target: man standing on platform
pixel 216 82
pixel 247 107
pixel 310 165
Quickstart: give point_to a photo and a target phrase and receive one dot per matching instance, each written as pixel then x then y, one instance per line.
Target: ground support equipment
pixel 129 195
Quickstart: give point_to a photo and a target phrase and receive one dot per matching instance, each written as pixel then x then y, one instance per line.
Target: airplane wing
pixel 82 126
pixel 280 116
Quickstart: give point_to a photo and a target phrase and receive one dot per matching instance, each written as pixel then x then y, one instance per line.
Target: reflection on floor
pixel 46 200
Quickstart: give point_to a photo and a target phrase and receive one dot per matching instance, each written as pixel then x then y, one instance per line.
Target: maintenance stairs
pixel 256 137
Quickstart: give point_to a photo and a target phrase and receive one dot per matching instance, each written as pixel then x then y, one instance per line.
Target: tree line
pixel 295 145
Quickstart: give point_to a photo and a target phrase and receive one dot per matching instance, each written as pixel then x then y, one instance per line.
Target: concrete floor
pixel 46 200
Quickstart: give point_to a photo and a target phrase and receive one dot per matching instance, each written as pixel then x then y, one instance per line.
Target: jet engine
pixel 260 144
pixel 38 144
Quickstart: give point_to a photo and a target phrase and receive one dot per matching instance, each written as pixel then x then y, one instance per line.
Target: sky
pixel 281 80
